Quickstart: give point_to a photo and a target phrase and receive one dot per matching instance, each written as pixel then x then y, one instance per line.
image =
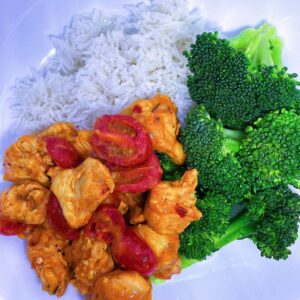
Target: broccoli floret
pixel 262 45
pixel 270 152
pixel 171 171
pixel 275 213
pixel 232 87
pixel 198 240
pixel 210 149
pixel 270 219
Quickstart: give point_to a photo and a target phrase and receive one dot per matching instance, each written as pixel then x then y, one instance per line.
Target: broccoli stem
pixel 233 140
pixel 239 228
pixel 236 135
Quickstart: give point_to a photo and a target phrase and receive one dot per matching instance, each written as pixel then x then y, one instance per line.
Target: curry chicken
pixel 92 206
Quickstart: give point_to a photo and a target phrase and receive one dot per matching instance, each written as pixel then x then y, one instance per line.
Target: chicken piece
pixel 165 247
pixel 136 215
pixel 45 251
pixel 158 117
pixel 135 203
pixel 80 190
pixel 53 171
pixel 123 208
pixel 25 203
pixel 170 207
pixel 82 145
pixel 60 129
pixel 88 258
pixel 125 285
pixel 27 159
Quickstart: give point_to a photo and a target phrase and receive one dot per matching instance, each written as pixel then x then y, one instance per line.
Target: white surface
pixel 234 273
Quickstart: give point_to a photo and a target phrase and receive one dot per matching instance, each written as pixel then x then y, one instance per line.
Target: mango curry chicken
pixel 91 204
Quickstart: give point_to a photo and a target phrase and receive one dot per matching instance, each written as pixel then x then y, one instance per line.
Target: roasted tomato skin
pixel 131 143
pixel 115 148
pixel 106 223
pixel 62 152
pixel 57 220
pixel 10 227
pixel 137 179
pixel 113 199
pixel 132 253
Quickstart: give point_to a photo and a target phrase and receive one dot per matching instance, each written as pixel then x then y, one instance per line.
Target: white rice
pixel 103 63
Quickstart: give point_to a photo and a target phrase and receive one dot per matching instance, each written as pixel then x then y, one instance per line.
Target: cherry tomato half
pixel 113 199
pixel 11 227
pixel 62 152
pixel 116 148
pixel 57 220
pixel 107 224
pixel 131 252
pixel 121 140
pixel 139 178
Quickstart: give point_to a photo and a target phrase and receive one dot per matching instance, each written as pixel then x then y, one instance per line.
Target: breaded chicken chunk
pixel 27 159
pixel 132 203
pixel 170 207
pixel 82 145
pixel 25 202
pixel 53 171
pixel 165 247
pixel 88 258
pixel 136 204
pixel 60 129
pixel 158 117
pixel 80 190
pixel 122 285
pixel 45 251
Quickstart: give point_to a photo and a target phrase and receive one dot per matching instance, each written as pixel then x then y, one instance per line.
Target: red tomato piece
pixel 107 224
pixel 57 220
pixel 11 227
pixel 132 253
pixel 113 199
pixel 116 148
pixel 137 179
pixel 125 133
pixel 62 152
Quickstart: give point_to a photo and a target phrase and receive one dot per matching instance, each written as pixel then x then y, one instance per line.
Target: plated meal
pixel 149 190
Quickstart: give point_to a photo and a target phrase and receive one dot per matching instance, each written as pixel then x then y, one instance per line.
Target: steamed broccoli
pixel 234 163
pixel 270 219
pixel 171 171
pixel 232 86
pixel 262 45
pixel 270 152
pixel 210 149
pixel 243 167
pixel 198 240
pixel 240 84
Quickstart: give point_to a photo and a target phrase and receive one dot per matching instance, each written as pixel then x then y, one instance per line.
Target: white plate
pixel 234 273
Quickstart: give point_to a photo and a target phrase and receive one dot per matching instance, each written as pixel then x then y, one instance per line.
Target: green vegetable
pixel 210 149
pixel 231 85
pixel 262 45
pixel 270 152
pixel 171 171
pixel 198 240
pixel 270 219
pixel 243 167
pixel 243 138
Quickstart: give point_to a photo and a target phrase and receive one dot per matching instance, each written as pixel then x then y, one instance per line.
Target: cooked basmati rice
pixel 102 63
